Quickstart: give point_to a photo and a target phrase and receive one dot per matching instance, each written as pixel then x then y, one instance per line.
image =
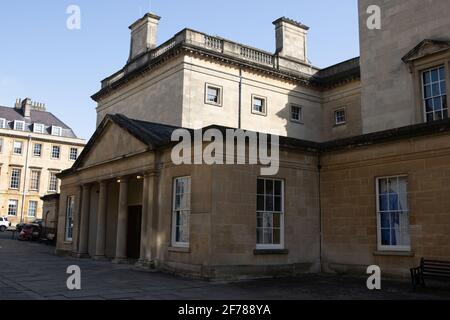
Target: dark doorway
pixel 134 232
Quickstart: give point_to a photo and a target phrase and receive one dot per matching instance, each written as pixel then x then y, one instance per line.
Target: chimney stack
pixel 143 34
pixel 26 107
pixel 291 39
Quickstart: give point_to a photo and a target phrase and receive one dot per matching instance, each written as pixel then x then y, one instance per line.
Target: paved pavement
pixel 31 271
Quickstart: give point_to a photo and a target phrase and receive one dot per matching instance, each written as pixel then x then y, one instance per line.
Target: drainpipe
pixel 240 98
pixel 319 167
pixel 25 179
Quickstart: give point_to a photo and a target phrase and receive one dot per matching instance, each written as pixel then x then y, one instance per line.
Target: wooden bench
pixel 429 269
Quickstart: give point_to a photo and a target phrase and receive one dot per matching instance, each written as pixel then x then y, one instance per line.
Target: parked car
pixel 19 226
pixel 30 231
pixel 4 224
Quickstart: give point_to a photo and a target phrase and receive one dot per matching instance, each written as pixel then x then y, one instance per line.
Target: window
pixel 181 211
pixel 259 105
pixel 56 131
pixel 19 125
pixel 17 148
pixel 2 123
pixel 340 117
pixel 35 179
pixel 38 128
pixel 15 178
pixel 296 114
pixel 393 213
pixel 213 95
pixel 37 150
pixel 73 154
pixel 32 208
pixel 69 217
pixel 270 214
pixel 53 182
pixel 56 152
pixel 1 145
pixel 12 207
pixel 435 94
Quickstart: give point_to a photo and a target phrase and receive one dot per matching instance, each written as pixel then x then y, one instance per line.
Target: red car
pixel 30 232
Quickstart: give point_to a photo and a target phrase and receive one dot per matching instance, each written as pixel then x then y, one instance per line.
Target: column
pixel 84 221
pixel 147 219
pixel 144 222
pixel 101 222
pixel 76 221
pixel 122 222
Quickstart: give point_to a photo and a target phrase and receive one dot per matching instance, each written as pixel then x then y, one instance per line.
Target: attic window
pixel 19 125
pixel 38 128
pixel 2 123
pixel 56 131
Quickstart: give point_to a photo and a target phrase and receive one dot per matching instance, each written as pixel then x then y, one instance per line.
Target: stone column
pixel 122 222
pixel 147 220
pixel 101 222
pixel 76 222
pixel 84 221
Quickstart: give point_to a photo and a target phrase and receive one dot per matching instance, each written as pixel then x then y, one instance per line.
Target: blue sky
pixel 41 59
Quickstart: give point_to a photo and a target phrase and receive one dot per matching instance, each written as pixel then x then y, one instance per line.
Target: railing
pixel 257 56
pixel 214 43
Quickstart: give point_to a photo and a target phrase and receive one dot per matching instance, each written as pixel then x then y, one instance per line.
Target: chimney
pixel 143 34
pixel 291 39
pixel 26 107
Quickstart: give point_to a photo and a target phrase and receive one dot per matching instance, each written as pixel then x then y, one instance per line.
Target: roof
pixel 349 69
pixel 420 50
pixel 43 117
pixel 156 136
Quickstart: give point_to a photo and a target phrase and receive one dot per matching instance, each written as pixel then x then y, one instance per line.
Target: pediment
pixel 426 48
pixel 112 143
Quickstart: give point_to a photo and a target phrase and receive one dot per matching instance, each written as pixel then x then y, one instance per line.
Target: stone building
pixel 364 153
pixel 34 147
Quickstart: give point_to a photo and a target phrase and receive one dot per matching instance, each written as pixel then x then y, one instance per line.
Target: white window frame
pixel 50 175
pixel 70 154
pixel 377 188
pixel 38 125
pixel 264 100
pixel 34 150
pixel 35 208
pixel 16 179
pixel 70 208
pixel 300 113
pixel 424 107
pixel 54 128
pixel 14 147
pixel 187 209
pixel 219 96
pixel 16 207
pixel 336 121
pixel 38 182
pixel 17 122
pixel 2 123
pixel 59 152
pixel 281 245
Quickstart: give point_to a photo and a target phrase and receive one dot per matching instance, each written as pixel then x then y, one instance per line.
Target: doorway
pixel 134 232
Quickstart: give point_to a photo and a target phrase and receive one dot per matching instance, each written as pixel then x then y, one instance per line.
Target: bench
pixel 429 269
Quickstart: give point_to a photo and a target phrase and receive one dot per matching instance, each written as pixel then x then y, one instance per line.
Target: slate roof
pixel 156 135
pixel 43 117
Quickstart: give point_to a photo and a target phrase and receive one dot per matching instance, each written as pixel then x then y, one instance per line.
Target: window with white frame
pixel 53 182
pixel 19 125
pixel 12 207
pixel 17 147
pixel 69 217
pixel 340 117
pixel 393 213
pixel 56 152
pixel 259 105
pixel 296 113
pixel 38 128
pixel 56 131
pixel 2 123
pixel 14 182
pixel 37 149
pixel 35 179
pixel 213 94
pixel 270 214
pixel 73 155
pixel 32 208
pixel 435 94
pixel 181 211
